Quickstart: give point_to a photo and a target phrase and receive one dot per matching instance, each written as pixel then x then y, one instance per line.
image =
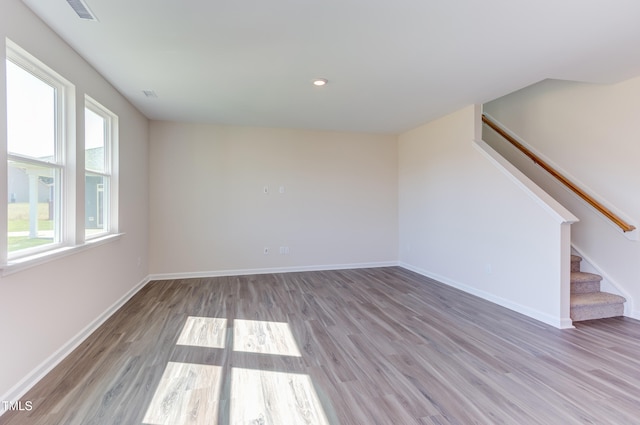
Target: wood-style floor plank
pixel 370 346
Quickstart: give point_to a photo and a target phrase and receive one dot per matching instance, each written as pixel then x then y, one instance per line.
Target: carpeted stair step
pixel 596 305
pixel 575 263
pixel 582 282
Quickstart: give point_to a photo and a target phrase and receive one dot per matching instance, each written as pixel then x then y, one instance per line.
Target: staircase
pixel 587 302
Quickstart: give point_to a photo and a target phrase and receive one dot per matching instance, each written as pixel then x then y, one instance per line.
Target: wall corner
pixel 477 121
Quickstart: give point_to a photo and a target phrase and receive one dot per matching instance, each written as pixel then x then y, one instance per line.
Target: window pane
pixel 31 115
pixel 96 196
pixel 31 208
pixel 94 139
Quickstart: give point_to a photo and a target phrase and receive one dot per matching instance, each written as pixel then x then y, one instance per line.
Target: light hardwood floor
pixel 370 346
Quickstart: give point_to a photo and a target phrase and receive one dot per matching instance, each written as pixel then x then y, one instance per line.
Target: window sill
pixel 19 264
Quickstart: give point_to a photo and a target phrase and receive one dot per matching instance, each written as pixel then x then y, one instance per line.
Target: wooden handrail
pixel 626 227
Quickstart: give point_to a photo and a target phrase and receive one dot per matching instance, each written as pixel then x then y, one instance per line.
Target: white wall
pixel 466 221
pixel 591 133
pixel 44 308
pixel 209 214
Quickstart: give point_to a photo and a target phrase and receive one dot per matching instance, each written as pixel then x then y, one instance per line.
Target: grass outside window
pixel 18 226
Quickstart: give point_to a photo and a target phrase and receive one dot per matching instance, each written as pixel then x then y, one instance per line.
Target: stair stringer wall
pixel 469 219
pixel 588 133
pixel 594 237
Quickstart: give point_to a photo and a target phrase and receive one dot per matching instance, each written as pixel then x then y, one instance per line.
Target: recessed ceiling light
pixel 320 82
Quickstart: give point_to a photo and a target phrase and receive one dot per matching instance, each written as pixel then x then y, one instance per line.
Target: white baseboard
pixel 244 272
pixel 20 389
pixel 560 323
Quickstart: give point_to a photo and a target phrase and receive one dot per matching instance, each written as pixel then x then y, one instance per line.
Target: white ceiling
pixel 391 65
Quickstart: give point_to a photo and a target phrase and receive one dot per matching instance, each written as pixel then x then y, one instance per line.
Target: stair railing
pixel 626 227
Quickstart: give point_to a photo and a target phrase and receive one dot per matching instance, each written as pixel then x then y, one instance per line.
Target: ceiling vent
pixel 150 94
pixel 81 8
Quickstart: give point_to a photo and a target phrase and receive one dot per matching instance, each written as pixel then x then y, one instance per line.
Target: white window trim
pixel 110 172
pixel 71 205
pixel 64 91
pixel 23 263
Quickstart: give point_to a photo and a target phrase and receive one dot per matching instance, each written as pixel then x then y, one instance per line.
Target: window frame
pixel 110 143
pixel 63 89
pixel 70 153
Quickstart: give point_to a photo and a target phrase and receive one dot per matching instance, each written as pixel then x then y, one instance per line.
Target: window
pixel 48 164
pixel 35 147
pixel 100 126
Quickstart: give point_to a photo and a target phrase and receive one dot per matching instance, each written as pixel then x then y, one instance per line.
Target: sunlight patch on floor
pixel 187 394
pixel 191 393
pixel 203 332
pixel 274 398
pixel 256 336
